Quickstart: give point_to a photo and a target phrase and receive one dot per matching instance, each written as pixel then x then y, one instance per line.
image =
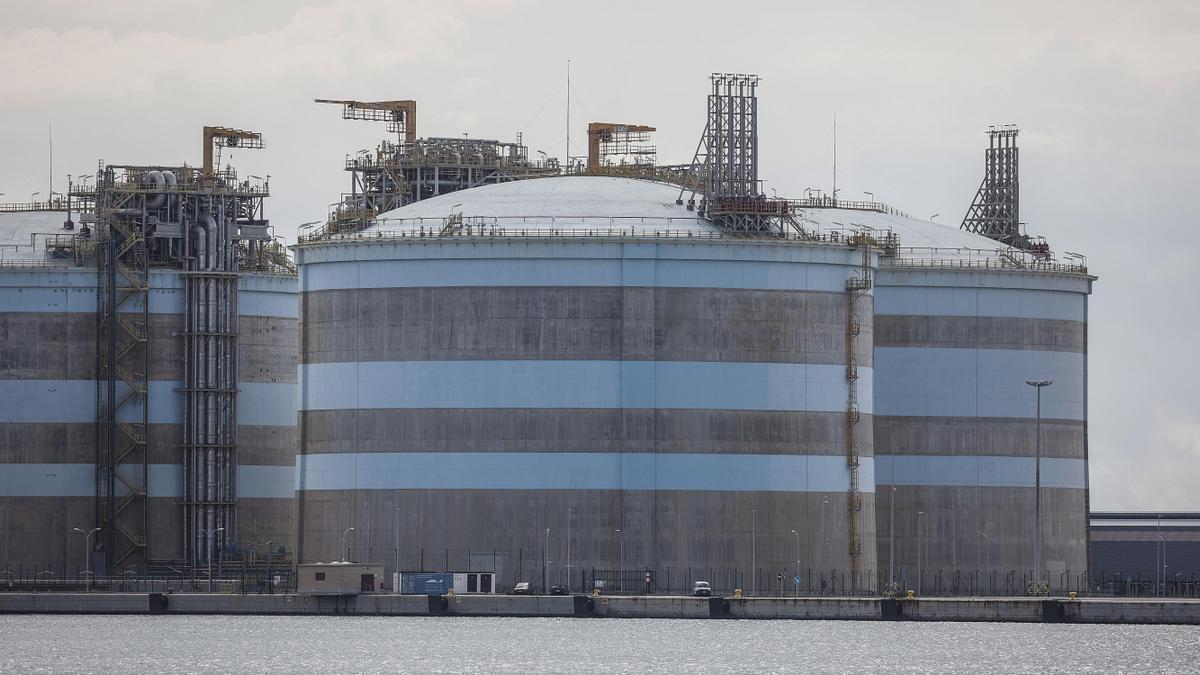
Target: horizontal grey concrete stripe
pixel 579 384
pixel 165 480
pixel 576 471
pixel 69 443
pixel 47 346
pixel 981 332
pixel 941 382
pixel 979 471
pixel 74 401
pixel 582 323
pixel 580 430
pixel 961 436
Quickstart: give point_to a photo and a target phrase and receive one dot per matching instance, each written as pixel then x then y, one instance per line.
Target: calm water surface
pixel 483 645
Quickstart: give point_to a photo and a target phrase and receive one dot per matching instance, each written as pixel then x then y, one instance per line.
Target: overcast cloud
pixel 1106 94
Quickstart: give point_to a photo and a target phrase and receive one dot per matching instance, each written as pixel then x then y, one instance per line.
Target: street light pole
pixel 87 552
pixel 621 558
pixel 1037 483
pixel 753 551
pixel 396 569
pixel 211 536
pixel 568 549
pixel 345 552
pixel 920 553
pixel 797 562
pixel 987 553
pixel 892 529
pixel 545 555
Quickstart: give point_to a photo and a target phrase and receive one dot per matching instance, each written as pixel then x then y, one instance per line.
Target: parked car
pixel 701 589
pixel 522 588
pixel 558 589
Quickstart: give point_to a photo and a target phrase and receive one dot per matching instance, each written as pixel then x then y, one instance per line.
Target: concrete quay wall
pixel 1027 610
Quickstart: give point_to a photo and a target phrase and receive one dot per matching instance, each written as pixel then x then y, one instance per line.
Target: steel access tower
pixel 726 163
pixel 995 212
pixel 209 225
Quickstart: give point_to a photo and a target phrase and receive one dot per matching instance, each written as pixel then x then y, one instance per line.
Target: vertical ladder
pixel 857 287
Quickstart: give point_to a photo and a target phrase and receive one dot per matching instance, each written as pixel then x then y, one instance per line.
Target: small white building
pixel 338 578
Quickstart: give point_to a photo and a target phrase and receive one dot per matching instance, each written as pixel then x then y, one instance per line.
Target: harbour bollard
pixel 910 595
pixel 737 593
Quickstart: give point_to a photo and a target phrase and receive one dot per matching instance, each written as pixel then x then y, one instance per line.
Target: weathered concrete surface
pixel 980 332
pixel 714 536
pixel 866 609
pixel 74 603
pixel 580 322
pixel 1023 609
pixel 652 607
pixel 1133 611
pixel 510 605
pixel 973 609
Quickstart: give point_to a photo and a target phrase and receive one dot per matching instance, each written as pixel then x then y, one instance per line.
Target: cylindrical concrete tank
pixel 48 319
pixel 959 329
pixel 956 423
pixel 593 381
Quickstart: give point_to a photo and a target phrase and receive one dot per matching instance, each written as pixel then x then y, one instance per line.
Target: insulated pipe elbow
pixel 156 181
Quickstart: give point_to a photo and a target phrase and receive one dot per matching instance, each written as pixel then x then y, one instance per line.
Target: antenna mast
pixel 834 195
pixel 568 160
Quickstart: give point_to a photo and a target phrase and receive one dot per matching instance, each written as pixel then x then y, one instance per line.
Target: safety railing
pixel 586 227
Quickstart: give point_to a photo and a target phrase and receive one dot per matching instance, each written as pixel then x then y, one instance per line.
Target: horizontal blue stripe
pixel 947 382
pixel 965 301
pixel 943 471
pixel 74 401
pixel 31 291
pixel 571 270
pixel 165 481
pixel 579 384
pixel 577 471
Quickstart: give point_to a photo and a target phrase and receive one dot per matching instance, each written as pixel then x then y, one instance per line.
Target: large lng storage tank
pixel 577 370
pixel 962 324
pixel 579 375
pixel 54 455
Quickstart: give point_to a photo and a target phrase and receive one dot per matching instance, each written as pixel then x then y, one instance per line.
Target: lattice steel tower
pixel 995 213
pixel 726 163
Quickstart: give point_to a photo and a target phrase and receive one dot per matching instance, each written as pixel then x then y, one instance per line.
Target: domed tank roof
pixel 566 202
pixel 19 229
pixel 573 203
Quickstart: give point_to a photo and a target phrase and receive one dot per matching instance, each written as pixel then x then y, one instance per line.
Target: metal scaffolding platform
pixel 410 169
pixel 208 224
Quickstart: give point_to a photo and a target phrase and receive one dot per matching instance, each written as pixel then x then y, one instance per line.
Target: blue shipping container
pixel 426 583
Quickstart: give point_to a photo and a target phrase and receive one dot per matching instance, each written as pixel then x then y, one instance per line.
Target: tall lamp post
pixel 345 551
pixel 568 566
pixel 753 551
pixel 210 535
pixel 892 528
pixel 797 585
pixel 920 553
pixel 621 558
pixel 545 561
pixel 87 551
pixel 1037 483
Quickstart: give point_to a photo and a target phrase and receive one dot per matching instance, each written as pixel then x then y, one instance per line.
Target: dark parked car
pixel 558 589
pixel 702 589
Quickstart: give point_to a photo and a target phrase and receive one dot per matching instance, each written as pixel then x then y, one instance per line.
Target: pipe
pixel 159 182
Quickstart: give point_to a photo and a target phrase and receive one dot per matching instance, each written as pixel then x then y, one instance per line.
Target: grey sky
pixel 1106 94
